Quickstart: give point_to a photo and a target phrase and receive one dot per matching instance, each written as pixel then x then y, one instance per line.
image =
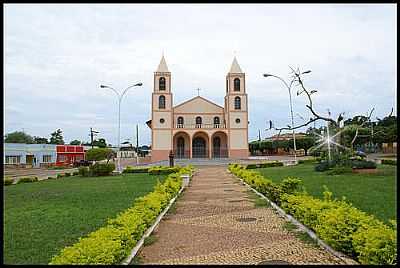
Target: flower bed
pixel 337 222
pixel 113 242
pixel 265 165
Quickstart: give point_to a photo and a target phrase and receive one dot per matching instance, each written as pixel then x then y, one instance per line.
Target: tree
pixel 101 143
pixel 334 125
pixel 56 137
pixel 303 143
pixel 18 137
pixel 39 140
pixel 98 154
pixel 75 142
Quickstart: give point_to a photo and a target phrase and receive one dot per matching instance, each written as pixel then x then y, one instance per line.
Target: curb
pixel 148 232
pixel 290 218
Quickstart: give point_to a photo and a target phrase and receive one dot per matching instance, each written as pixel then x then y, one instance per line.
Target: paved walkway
pixel 217 223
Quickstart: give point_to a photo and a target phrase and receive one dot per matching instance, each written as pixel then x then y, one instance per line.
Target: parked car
pixel 361 154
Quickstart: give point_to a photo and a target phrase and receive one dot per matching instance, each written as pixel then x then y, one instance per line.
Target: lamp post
pixel 291 110
pixel 120 96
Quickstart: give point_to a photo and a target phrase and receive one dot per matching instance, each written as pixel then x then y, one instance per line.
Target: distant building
pixel 29 155
pixel 68 154
pixel 41 155
pixel 286 136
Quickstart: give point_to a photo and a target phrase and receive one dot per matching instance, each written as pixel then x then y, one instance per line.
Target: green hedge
pixel 8 181
pixel 130 169
pixel 28 179
pixel 98 169
pixel 265 165
pixel 305 161
pixel 112 243
pixel 389 162
pixel 158 170
pixel 337 222
pixel 362 164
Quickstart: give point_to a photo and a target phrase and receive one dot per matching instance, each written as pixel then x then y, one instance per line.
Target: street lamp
pixel 120 96
pixel 291 109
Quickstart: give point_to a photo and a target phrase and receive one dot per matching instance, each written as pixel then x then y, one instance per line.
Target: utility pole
pixel 137 144
pixel 92 133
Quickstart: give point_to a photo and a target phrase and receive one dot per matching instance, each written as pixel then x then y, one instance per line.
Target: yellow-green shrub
pixel 112 243
pixel 337 222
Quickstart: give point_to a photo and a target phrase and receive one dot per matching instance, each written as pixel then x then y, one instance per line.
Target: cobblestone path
pixel 216 222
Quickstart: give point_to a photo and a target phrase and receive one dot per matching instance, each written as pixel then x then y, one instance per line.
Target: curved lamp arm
pixel 126 90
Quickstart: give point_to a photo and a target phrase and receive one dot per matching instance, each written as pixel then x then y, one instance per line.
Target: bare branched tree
pixel 297 80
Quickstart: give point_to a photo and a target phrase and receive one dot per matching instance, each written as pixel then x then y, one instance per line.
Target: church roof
pixel 198 100
pixel 162 67
pixel 235 68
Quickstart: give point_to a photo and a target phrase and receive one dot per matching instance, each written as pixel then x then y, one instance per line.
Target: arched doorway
pixel 216 147
pixel 181 145
pixel 200 147
pixel 219 145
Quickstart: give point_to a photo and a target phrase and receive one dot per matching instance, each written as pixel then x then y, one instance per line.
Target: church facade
pixel 199 128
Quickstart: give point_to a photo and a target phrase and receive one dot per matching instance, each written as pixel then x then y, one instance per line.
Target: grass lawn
pixel 372 193
pixel 43 217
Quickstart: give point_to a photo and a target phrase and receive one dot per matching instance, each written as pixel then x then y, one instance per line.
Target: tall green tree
pixel 75 142
pixel 40 140
pixel 18 137
pixel 57 137
pixel 101 143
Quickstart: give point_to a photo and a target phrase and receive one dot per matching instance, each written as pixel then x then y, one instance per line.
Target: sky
pixel 57 55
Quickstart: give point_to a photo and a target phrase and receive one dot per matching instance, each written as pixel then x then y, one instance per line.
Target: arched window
pixel 237 103
pixel 216 122
pixel 198 122
pixel 180 122
pixel 236 84
pixel 161 83
pixel 161 102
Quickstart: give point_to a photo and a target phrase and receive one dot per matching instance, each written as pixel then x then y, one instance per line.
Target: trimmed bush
pixel 306 161
pixel 339 170
pixel 112 243
pixel 130 169
pixel 161 170
pixel 362 164
pixel 51 178
pixel 83 171
pixel 8 181
pixel 100 169
pixel 265 165
pixel 59 176
pixel 75 173
pixel 67 174
pixel 322 166
pixel 342 226
pixel 389 162
pixel 28 179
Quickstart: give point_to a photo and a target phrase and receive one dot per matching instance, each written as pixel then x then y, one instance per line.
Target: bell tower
pixel 161 113
pixel 236 112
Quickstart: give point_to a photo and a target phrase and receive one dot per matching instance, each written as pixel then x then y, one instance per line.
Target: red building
pixel 68 154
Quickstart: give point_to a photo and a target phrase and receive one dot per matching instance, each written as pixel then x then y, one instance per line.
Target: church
pixel 199 128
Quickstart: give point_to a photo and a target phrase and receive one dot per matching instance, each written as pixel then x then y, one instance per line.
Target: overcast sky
pixel 56 56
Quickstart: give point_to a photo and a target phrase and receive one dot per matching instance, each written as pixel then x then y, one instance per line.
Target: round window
pixel 237 120
pixel 162 120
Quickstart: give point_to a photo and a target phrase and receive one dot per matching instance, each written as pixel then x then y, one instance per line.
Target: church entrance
pixel 181 145
pixel 199 148
pixel 219 145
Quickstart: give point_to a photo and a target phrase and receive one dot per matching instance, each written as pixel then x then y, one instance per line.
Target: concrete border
pixel 148 232
pixel 302 227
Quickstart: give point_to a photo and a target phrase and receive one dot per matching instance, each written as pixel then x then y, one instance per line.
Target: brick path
pixel 216 223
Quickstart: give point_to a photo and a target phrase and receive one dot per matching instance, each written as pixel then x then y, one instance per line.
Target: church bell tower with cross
pixel 236 111
pixel 161 112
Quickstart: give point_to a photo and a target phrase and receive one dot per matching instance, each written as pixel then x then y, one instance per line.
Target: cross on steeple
pixel 198 91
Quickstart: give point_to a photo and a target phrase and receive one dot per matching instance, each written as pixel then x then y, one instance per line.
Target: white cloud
pixel 56 56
